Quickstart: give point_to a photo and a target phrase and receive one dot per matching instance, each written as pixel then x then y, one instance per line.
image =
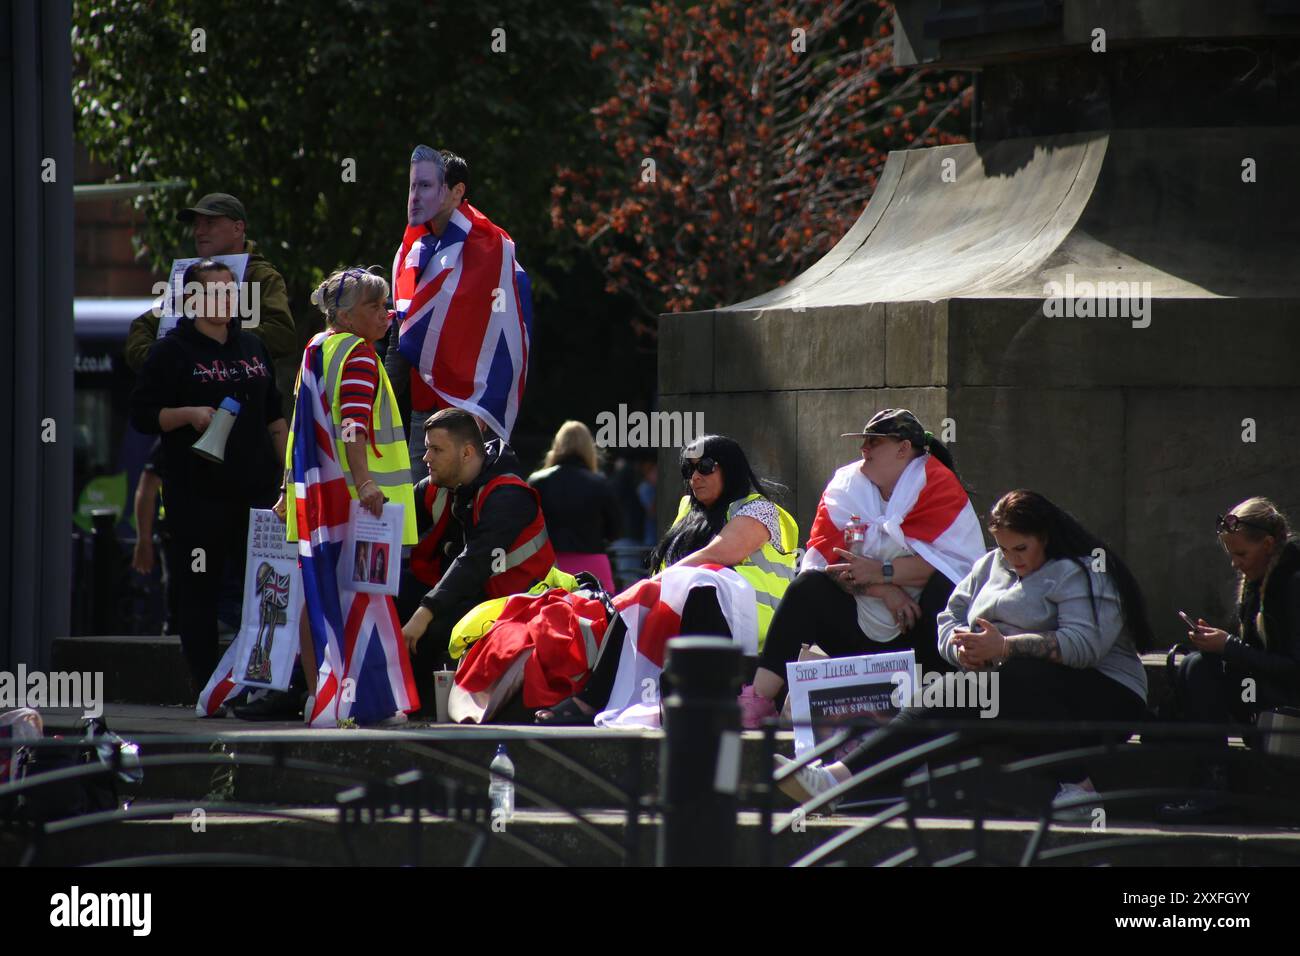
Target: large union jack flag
pixel 466 312
pixel 365 671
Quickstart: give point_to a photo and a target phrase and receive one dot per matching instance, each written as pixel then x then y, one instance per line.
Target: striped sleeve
pixel 358 387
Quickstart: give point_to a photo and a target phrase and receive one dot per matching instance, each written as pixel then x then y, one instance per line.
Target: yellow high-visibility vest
pixel 771 568
pixel 386 450
pixel 477 622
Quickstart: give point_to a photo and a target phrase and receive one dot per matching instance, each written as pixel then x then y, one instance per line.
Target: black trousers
pixel 701 615
pixel 1026 690
pixel 1210 691
pixel 816 610
pixel 431 651
pixel 208 541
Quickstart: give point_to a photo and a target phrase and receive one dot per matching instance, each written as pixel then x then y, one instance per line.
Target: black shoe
pixel 276 705
pixel 566 713
pixel 1214 806
pixel 1212 809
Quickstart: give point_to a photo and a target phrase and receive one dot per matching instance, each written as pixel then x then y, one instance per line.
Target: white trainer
pixel 1079 813
pixel 807 782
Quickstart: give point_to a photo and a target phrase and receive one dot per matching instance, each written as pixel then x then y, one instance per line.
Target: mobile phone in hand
pixel 1188 621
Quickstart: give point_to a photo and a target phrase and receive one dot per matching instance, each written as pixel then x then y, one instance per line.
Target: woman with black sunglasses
pixel 1233 677
pixel 727 518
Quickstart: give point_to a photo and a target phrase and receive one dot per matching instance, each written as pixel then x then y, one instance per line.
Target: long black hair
pixel 1028 512
pixel 940 451
pixel 702 524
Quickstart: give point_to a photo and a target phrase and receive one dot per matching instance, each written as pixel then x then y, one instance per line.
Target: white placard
pixel 842 689
pixel 372 550
pixel 267 642
pixel 173 300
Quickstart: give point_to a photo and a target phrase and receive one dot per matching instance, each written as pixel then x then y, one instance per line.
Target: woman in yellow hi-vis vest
pixel 347 437
pixel 726 518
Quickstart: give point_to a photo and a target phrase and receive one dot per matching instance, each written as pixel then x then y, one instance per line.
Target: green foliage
pixel 285 91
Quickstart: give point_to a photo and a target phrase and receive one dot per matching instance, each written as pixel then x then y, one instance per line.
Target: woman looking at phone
pixel 1264 653
pixel 1063 634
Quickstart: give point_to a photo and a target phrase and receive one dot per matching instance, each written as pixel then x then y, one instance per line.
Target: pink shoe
pixel 754 708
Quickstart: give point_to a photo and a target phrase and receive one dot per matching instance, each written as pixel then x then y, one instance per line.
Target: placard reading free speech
pixel 842 689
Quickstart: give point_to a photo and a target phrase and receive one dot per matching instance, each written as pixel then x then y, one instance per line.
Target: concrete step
pixel 565 765
pixel 312 835
pixel 151 670
pixel 143 670
pixel 572 765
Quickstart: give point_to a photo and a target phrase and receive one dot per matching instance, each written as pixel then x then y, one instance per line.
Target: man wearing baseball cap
pixel 897 423
pixel 218 222
pixel 893 534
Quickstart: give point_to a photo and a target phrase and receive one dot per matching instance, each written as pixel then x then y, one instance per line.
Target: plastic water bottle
pixel 855 535
pixel 501 789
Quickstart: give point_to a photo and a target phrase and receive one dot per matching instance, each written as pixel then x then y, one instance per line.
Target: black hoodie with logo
pixel 186 367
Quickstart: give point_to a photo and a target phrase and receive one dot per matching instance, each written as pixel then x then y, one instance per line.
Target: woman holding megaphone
pixel 208 388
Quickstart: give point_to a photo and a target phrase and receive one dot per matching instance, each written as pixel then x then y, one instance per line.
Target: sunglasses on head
pixel 1231 523
pixel 705 466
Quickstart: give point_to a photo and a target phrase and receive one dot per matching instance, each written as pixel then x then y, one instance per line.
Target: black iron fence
pixel 976 772
pixel 990 784
pixel 363 802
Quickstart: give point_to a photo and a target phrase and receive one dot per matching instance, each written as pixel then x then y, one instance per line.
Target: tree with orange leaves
pixel 742 142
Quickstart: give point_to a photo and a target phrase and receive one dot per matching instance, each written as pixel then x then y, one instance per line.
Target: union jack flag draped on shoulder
pixel 364 668
pixel 466 312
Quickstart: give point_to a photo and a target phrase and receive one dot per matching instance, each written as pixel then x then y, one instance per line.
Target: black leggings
pixel 816 610
pixel 208 542
pixel 1210 690
pixel 701 615
pixel 431 653
pixel 1026 690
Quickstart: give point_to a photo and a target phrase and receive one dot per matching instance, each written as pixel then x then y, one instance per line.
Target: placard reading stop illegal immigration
pixel 838 690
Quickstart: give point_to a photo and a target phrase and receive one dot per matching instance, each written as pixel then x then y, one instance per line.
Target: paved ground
pixel 158 719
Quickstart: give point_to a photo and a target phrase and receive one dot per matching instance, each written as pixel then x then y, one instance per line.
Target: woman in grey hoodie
pixel 1057 616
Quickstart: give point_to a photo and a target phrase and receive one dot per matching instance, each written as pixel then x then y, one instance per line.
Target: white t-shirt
pixel 875 619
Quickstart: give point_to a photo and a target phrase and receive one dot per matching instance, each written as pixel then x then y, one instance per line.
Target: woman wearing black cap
pixel 205 360
pixel 921 537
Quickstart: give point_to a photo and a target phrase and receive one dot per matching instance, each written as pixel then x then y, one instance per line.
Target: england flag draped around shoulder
pixel 466 313
pixel 929 513
pixel 365 671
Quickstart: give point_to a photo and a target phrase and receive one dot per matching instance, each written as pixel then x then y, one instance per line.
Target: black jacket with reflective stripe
pixel 505 514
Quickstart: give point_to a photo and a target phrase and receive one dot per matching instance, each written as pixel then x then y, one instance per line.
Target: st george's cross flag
pixel 652 612
pixel 465 309
pixel 928 514
pixel 364 668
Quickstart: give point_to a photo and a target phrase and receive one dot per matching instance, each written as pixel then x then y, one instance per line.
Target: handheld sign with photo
pixel 372 550
pixel 837 690
pixel 267 642
pixel 173 301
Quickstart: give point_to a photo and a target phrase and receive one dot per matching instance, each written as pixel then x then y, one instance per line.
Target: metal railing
pixel 951 769
pixel 365 803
